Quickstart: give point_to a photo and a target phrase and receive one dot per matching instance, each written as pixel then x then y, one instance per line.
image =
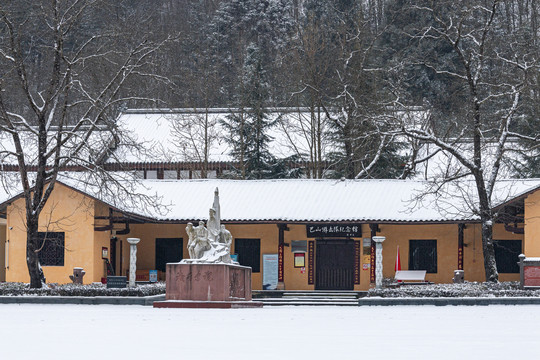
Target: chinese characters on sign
pixel 334 230
pixel 372 263
pixel 270 271
pixel 280 263
pixel 311 257
pixel 153 276
pixel 460 257
pixel 357 247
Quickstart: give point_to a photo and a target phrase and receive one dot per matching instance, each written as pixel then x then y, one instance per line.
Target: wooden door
pixel 334 265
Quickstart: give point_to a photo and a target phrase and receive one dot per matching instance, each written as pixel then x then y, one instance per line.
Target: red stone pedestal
pixel 196 285
pixel 207 304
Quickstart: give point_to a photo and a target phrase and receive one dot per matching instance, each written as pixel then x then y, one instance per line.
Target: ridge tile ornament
pixel 210 278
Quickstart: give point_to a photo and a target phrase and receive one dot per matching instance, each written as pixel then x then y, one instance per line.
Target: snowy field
pixel 399 332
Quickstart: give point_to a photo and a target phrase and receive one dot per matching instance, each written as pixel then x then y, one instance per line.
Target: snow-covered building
pixel 183 143
pixel 179 143
pixel 314 234
pixel 302 234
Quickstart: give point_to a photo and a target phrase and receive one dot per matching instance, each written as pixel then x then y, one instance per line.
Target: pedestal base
pixel 208 282
pixel 181 304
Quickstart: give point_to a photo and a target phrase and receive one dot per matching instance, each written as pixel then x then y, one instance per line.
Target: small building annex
pixel 296 234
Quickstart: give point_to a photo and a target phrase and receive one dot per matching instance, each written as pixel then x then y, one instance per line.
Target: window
pixel 151 174
pixel 249 253
pixel 506 255
pixel 52 248
pixel 170 174
pixel 423 255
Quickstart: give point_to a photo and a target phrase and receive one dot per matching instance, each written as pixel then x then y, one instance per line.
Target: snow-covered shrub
pixel 467 289
pixel 96 289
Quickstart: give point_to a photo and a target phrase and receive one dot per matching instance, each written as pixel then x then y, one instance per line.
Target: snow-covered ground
pixel 398 332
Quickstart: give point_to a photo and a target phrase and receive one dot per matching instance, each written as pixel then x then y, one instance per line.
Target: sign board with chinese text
pixel 116 282
pixel 299 260
pixel 153 275
pixel 270 271
pixel 333 230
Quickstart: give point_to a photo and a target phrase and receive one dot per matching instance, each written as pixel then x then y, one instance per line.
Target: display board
pixel 270 271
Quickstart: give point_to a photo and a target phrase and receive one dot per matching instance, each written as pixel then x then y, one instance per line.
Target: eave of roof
pixel 332 196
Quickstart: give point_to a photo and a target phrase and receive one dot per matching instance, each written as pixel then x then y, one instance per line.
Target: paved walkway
pixel 374 301
pixel 83 300
pixel 470 301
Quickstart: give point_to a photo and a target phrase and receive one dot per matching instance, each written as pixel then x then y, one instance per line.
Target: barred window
pixel 52 248
pixel 507 255
pixel 423 255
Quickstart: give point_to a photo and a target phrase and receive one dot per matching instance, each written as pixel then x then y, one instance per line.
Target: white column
pixel 132 260
pixel 378 261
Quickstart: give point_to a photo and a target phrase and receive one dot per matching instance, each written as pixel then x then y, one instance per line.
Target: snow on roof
pixel 291 200
pixel 442 163
pixel 4 196
pixel 178 135
pixel 304 200
pixel 98 141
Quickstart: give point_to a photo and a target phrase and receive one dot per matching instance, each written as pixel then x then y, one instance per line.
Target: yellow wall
pixel 74 214
pixel 149 232
pixel 531 246
pixel 446 236
pixel 146 249
pixel 447 249
pixel 66 211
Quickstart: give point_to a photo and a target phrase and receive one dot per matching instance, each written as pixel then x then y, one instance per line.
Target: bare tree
pixel 195 135
pixel 65 70
pixel 493 70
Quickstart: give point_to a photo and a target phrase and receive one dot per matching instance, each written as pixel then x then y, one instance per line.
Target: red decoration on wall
pixel 357 249
pixel 372 261
pixel 460 257
pixel 311 265
pixel 280 263
pixel 460 246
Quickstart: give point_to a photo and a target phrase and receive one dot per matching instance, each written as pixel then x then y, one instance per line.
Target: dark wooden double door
pixel 334 264
pixel 168 250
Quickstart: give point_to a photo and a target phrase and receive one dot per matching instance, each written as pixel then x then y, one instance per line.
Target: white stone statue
pixel 210 244
pixel 191 240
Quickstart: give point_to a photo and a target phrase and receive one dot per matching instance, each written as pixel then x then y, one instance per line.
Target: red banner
pixel 311 257
pixel 357 249
pixel 372 261
pixel 460 257
pixel 280 263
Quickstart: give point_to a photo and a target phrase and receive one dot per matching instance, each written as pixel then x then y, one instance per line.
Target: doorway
pixel 168 250
pixel 334 264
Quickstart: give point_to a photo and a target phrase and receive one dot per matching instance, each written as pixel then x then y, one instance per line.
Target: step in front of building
pixel 308 298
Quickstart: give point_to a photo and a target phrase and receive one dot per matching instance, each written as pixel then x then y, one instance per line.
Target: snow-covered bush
pixel 467 289
pixel 96 289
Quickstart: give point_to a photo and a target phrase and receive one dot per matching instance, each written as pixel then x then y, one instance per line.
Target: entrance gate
pixel 334 268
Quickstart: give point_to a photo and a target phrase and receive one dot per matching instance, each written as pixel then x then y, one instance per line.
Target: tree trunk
pixel 490 265
pixel 32 255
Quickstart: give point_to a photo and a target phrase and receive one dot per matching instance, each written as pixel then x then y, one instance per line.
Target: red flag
pixel 398 261
pixel 397 266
